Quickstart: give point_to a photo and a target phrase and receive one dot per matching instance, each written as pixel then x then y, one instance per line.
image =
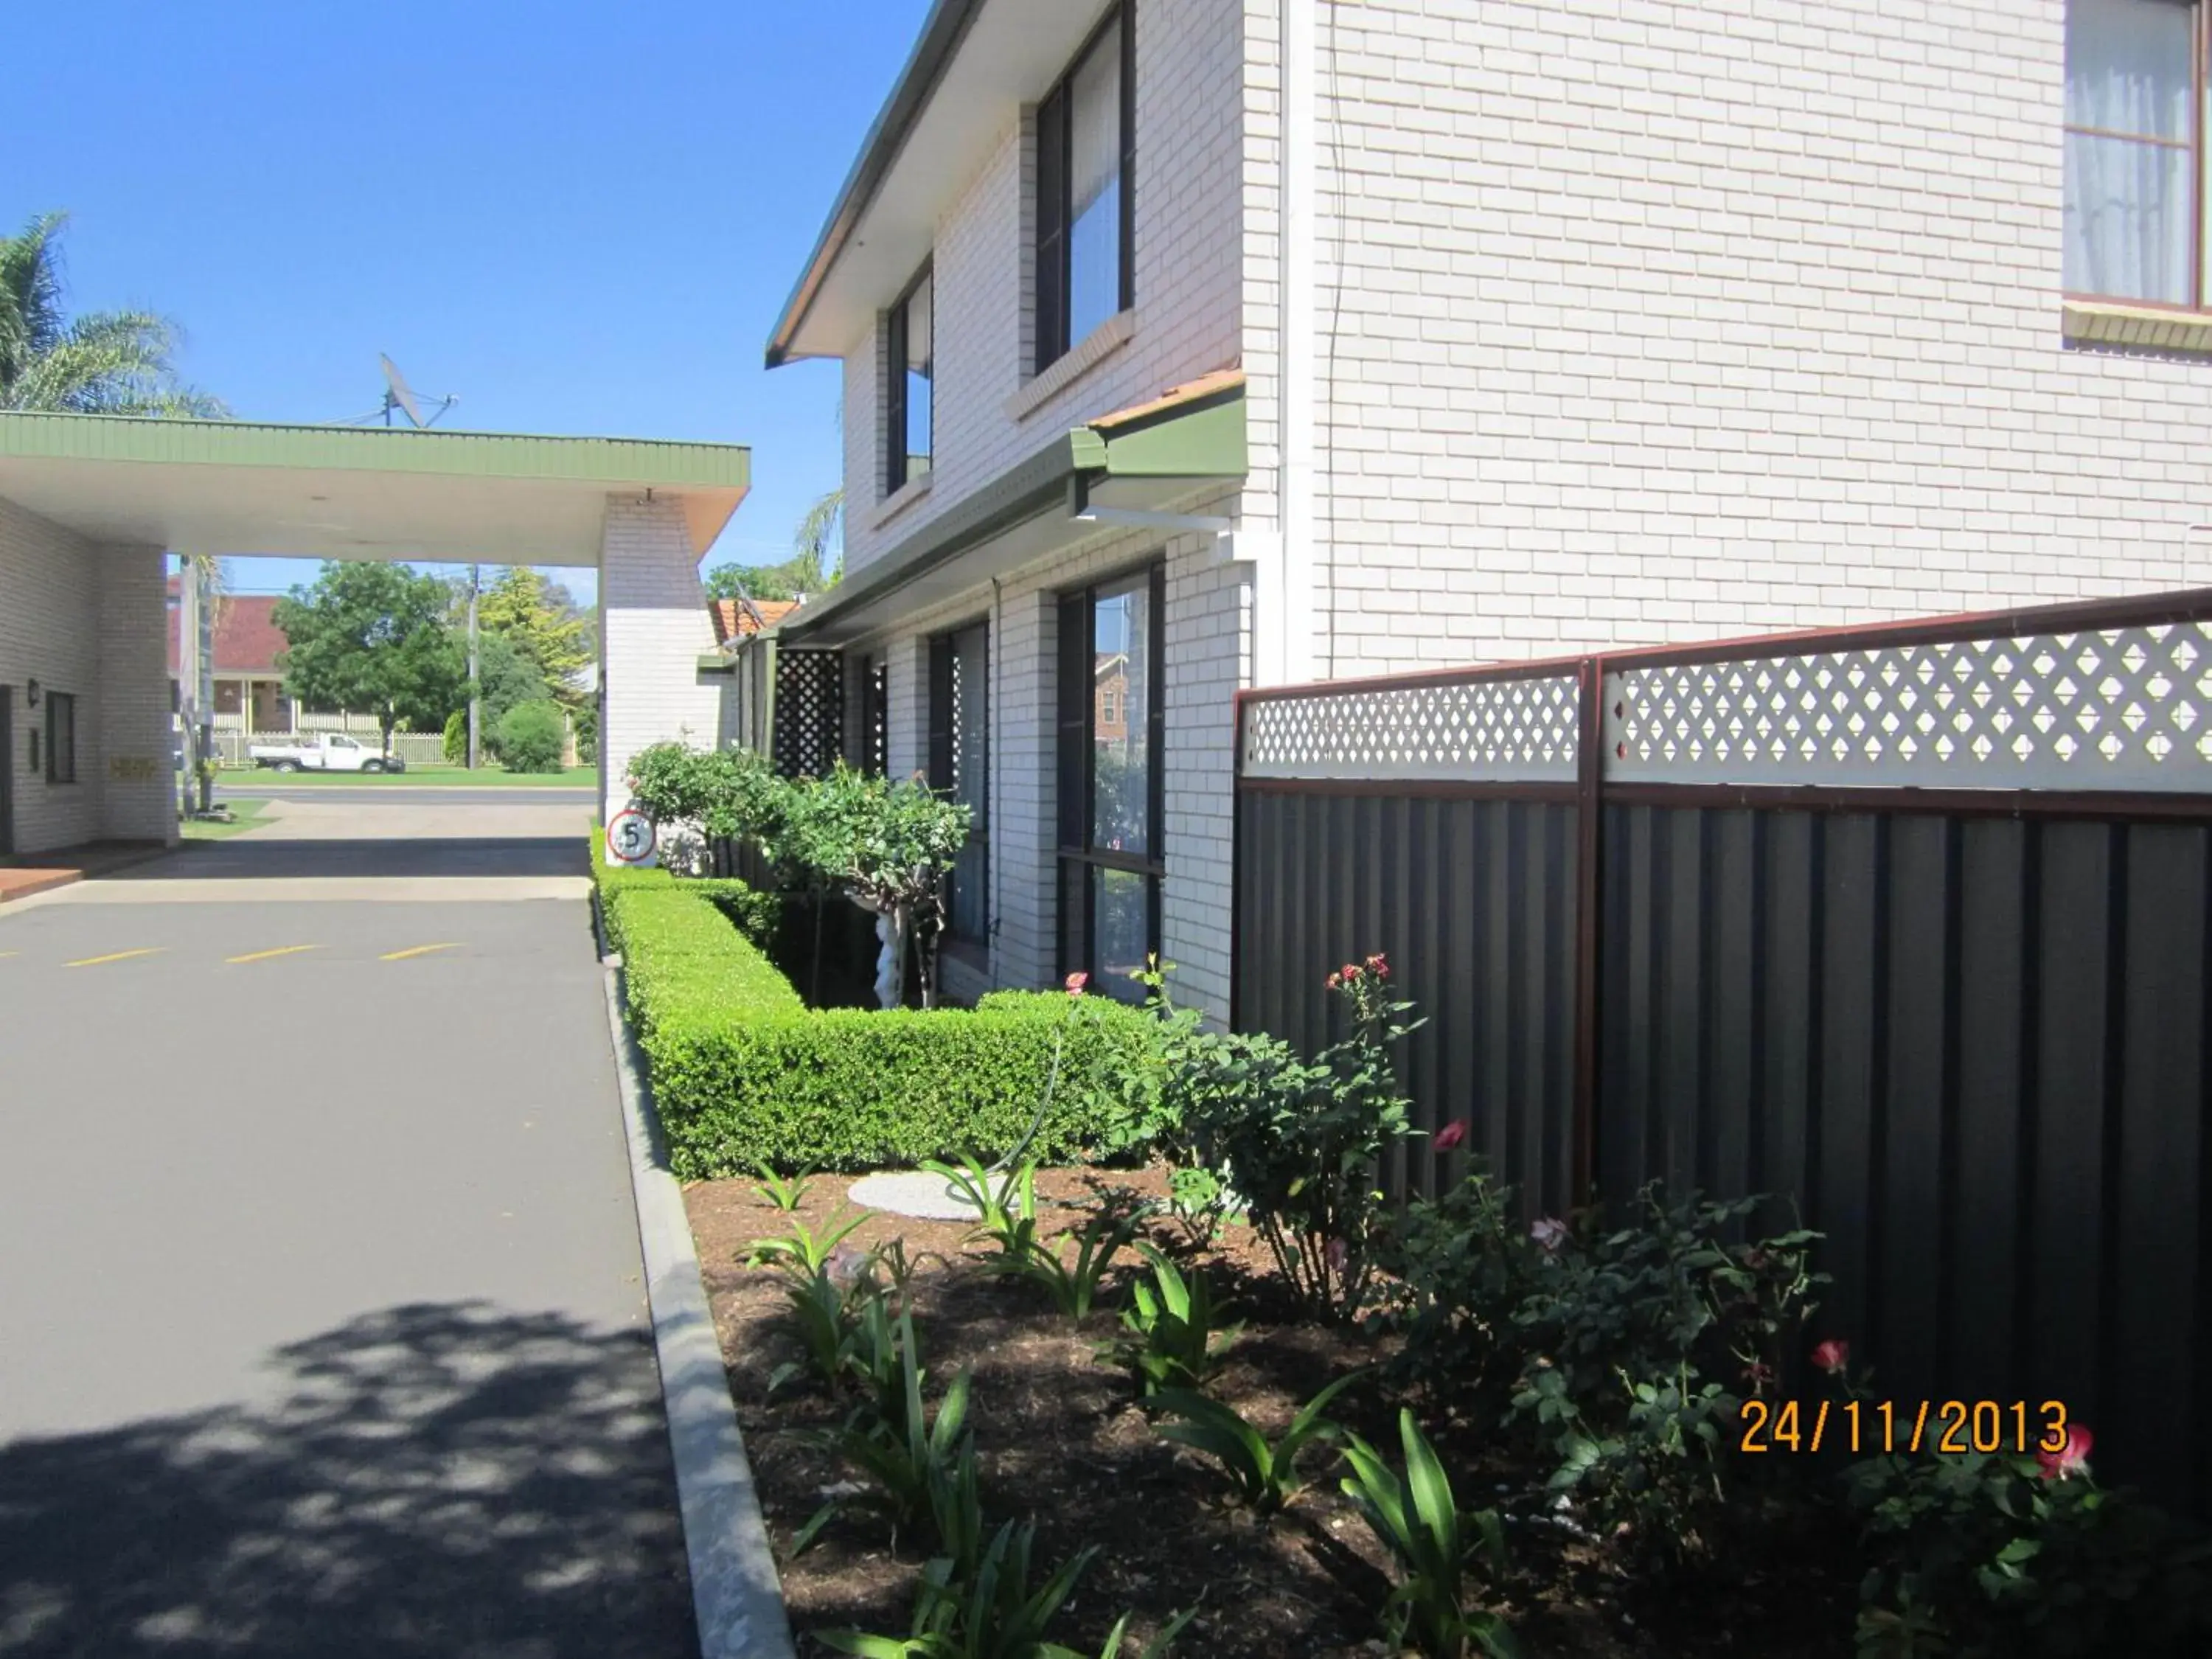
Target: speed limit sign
pixel 630 839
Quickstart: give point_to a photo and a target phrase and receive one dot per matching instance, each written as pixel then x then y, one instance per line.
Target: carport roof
pixel 247 488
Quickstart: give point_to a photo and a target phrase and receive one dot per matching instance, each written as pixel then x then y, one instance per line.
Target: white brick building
pixel 90 505
pixel 1545 327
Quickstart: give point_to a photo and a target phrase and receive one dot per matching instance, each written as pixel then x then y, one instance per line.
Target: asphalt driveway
pixel 322 1329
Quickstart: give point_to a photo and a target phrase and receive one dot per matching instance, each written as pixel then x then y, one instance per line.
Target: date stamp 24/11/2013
pixel 1946 1427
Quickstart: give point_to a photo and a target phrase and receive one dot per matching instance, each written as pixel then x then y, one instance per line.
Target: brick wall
pixel 1189 277
pixel 137 783
pixel 49 632
pixel 1671 320
pixel 654 629
pixel 1207 626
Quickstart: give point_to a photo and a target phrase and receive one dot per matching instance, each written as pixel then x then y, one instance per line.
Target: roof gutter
pixel 941 35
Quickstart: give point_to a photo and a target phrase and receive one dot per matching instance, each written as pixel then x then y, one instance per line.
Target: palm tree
pixel 818 544
pixel 105 362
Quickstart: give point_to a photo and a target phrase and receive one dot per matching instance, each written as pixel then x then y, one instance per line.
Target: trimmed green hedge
pixel 743 1073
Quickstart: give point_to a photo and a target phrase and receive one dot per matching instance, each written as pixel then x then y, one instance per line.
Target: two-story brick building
pixel 1253 340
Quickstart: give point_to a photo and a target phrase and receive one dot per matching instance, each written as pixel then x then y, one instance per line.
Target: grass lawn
pixel 484 777
pixel 245 815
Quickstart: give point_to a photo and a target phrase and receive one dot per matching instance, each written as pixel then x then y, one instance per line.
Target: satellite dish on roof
pixel 398 395
pixel 397 391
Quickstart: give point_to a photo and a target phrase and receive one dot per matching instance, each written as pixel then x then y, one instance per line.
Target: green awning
pixel 1142 460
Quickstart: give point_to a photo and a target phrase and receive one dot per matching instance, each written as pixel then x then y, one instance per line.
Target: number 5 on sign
pixel 630 839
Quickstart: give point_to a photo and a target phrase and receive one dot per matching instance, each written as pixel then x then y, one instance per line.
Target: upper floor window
pixel 913 373
pixel 2134 151
pixel 1086 135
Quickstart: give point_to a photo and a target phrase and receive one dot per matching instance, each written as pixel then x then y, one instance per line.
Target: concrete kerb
pixel 735 1595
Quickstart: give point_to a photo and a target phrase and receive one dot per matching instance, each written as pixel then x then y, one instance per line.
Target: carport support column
pixel 653 630
pixel 127 758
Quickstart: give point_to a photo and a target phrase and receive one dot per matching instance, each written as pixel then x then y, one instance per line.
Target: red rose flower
pixel 2073 1459
pixel 1833 1356
pixel 1450 1136
pixel 1381 965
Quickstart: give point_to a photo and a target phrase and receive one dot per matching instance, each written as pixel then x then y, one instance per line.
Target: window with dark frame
pixel 2135 225
pixel 1112 857
pixel 909 393
pixel 960 768
pixel 1085 266
pixel 61 737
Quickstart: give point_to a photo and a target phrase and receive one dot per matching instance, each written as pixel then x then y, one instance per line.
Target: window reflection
pixel 1121 694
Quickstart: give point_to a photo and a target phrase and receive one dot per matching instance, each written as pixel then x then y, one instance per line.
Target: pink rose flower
pixel 1549 1233
pixel 1380 964
pixel 1833 1356
pixel 1451 1135
pixel 2074 1459
pixel 1076 983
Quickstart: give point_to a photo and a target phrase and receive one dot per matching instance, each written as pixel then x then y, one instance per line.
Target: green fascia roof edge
pixel 144 438
pixel 943 31
pixel 1202 439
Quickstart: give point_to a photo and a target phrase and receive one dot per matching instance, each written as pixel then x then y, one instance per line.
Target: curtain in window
pixel 2128 202
pixel 1094 185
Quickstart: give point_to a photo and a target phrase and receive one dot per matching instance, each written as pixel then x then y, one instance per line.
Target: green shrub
pixel 754 913
pixel 530 737
pixel 745 1073
pixel 455 747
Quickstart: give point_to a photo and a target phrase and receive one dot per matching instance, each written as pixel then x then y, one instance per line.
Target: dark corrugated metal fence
pixel 1960 1030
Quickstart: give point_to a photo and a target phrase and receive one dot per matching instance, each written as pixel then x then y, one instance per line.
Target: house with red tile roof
pixel 248 642
pixel 738 619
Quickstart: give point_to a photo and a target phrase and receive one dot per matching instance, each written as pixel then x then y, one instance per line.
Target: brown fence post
pixel 1590 813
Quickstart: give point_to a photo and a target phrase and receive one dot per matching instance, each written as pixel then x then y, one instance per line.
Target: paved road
pixel 424 795
pixel 323 1328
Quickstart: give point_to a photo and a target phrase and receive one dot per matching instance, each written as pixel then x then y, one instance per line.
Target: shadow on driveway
pixel 441 1479
pixel 249 859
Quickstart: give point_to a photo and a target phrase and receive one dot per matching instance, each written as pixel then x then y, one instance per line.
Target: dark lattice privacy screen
pixel 809 712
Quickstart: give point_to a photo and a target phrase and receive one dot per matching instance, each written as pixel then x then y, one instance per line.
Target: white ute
pixel 332 751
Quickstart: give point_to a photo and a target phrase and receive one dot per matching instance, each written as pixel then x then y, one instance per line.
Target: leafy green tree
pixel 890 845
pixel 537 617
pixel 373 638
pixel 529 737
pixel 751 581
pixel 505 677
pixel 107 363
pixel 816 565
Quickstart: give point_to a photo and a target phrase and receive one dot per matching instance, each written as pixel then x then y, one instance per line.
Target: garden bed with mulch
pixel 1060 1440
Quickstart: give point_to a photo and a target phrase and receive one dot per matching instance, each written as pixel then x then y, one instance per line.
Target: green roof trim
pixel 625 461
pixel 1201 438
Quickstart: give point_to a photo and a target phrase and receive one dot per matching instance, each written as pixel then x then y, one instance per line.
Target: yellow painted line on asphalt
pixel 264 956
pixel 117 956
pixel 414 951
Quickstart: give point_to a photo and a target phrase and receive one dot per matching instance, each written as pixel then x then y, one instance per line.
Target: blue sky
pixel 581 218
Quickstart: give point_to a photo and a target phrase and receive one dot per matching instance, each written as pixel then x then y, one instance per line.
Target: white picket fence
pixel 415 748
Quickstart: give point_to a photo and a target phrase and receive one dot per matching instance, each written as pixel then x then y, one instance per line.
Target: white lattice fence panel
pixel 2126 708
pixel 1481 730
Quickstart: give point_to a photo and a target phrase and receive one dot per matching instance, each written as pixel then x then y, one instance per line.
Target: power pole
pixel 475 702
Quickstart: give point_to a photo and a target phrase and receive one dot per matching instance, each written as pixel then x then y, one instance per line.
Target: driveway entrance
pixel 324 1330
